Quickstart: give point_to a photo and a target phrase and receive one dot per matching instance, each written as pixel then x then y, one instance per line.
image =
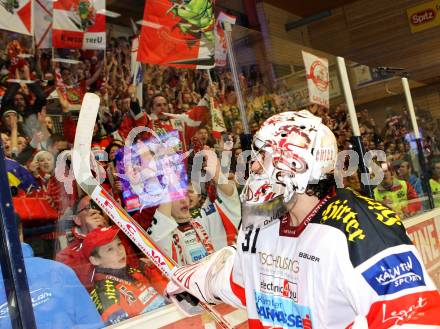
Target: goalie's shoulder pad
pixel 369 226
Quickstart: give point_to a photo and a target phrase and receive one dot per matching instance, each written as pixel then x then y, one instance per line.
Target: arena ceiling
pixel 304 8
pixel 360 38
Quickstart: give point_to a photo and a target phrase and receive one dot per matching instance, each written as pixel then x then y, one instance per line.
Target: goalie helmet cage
pixel 84 177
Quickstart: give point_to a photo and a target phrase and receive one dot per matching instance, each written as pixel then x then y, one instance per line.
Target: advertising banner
pixel 79 24
pixel 424 16
pixel 425 236
pixel 317 79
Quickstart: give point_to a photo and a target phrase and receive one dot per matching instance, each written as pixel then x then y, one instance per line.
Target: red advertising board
pixel 425 236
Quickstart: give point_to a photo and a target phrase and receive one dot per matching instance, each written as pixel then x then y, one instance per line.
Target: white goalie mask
pixel 293 150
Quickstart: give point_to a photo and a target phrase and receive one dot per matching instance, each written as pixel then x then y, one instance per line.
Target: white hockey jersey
pixel 219 220
pixel 351 256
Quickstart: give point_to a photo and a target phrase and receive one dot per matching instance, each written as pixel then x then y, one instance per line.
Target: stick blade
pixel 83 139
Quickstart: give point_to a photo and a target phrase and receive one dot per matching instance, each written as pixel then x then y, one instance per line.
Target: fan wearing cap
pixel 310 255
pixel 120 291
pixel 14 129
pixel 10 121
pixel 87 217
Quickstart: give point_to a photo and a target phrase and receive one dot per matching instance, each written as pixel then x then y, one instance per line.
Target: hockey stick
pixel 85 179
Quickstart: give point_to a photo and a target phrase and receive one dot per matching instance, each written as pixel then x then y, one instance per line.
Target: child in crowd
pixel 120 291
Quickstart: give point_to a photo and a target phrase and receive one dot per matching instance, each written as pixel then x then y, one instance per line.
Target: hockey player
pixel 310 255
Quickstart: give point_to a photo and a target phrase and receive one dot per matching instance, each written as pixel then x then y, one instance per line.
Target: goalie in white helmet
pixel 292 151
pixel 310 255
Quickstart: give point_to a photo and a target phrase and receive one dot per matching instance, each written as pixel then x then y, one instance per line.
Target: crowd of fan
pixel 32 143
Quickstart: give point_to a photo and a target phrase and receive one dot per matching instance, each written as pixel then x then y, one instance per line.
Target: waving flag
pixel 43 23
pixel 317 79
pixel 220 40
pixel 189 123
pixel 136 70
pixel 16 16
pixel 218 124
pixel 79 24
pixel 178 34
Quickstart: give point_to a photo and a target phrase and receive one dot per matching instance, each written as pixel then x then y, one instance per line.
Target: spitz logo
pixel 423 16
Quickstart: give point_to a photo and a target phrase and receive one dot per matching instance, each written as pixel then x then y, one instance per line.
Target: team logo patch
pixel 282 312
pixel 395 273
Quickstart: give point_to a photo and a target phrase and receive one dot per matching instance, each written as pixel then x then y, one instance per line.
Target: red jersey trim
pixel 418 308
pixel 231 230
pixel 237 290
pixel 257 324
pixel 294 231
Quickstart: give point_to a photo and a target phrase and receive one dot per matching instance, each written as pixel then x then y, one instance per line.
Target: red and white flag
pixel 218 123
pixel 221 50
pixel 43 10
pixel 190 122
pixel 318 81
pixel 79 24
pixel 16 16
pixel 136 70
pixel 179 34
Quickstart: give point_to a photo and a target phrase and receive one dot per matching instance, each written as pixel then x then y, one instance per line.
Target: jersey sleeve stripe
pixel 231 230
pixel 237 290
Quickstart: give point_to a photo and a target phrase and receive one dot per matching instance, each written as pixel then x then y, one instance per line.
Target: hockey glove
pixel 191 283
